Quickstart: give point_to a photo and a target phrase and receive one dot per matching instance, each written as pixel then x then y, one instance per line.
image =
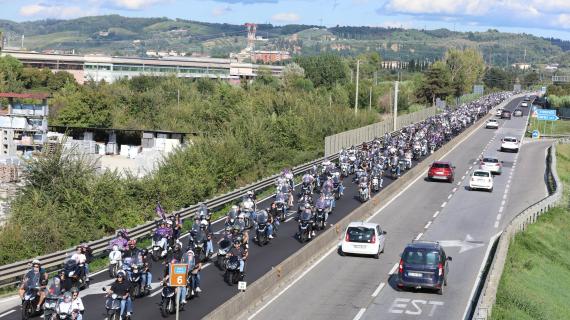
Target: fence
pixel 334 143
pixel 519 223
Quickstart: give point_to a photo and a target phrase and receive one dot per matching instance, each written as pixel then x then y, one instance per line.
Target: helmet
pixel 132 242
pixel 307 206
pixel 36 261
pixel 67 297
pixel 241 216
pixel 169 222
pixel 115 248
pixel 74 290
pixel 177 247
pixel 121 274
pixel 250 193
pixel 204 223
pixel 236 229
pixel 228 229
pixel 235 207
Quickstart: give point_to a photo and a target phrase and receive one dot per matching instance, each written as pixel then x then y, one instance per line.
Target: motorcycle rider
pixel 311 216
pixel 121 287
pixel 80 258
pixel 242 253
pixel 165 234
pixel 121 239
pixel 194 268
pixel 36 277
pixel 322 204
pixel 408 157
pixel 232 215
pixel 139 256
pixel 77 304
pixel 165 282
pixel 208 236
pixel 205 214
pixel 308 181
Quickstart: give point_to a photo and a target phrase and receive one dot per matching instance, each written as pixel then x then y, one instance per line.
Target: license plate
pixel 359 246
pixel 414 274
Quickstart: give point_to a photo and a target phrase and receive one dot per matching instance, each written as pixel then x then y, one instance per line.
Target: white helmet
pixel 115 248
pixel 204 223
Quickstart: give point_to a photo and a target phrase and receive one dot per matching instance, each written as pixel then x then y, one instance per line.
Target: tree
pixel 466 68
pixel 497 78
pixel 437 83
pixel 10 74
pixel 292 73
pixel 59 79
pixel 324 70
pixel 531 79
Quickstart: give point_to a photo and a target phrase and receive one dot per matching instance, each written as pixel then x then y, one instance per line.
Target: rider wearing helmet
pixel 209 244
pixel 121 287
pixel 77 304
pixel 36 277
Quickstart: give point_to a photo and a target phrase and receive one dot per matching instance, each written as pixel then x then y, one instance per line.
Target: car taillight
pixel 401 267
pixel 440 268
pixel 373 240
pixel 346 238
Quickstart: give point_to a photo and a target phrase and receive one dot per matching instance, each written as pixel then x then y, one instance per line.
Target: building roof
pixel 31 95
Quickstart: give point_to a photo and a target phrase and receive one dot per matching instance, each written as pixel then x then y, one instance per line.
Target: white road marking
pixel 496 224
pixel 359 314
pixel 435 214
pixel 427 225
pixel 155 293
pixel 449 196
pixel 459 183
pixel 454 189
pixel 462 177
pixel 7 313
pixel 503 203
pixel 419 236
pixel 289 219
pixel 475 162
pixel 499 216
pixel 471 167
pixel 393 269
pixel 501 209
pixel 466 172
pixel 504 197
pixel 443 204
pixel 377 291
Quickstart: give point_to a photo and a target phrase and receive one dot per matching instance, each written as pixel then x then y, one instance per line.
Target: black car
pixel 423 264
pixel 506 114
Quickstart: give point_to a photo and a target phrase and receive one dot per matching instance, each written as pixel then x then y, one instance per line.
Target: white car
pixel 499 112
pixel 491 164
pixel 363 238
pixel 481 179
pixel 492 124
pixel 524 104
pixel 510 144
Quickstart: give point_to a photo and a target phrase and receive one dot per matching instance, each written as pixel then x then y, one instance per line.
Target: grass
pixel 535 281
pixel 557 128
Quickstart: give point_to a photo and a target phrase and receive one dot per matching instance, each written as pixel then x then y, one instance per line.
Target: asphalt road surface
pixel 406 217
pixel 465 221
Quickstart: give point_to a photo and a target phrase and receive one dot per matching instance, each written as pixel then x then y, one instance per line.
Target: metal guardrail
pixel 518 224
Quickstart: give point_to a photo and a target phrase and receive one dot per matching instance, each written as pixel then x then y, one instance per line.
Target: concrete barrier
pixel 263 289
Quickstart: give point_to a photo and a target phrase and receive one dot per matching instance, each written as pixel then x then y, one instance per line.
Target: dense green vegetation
pixel 535 281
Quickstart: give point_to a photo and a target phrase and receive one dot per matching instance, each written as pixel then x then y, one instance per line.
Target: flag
pixel 159 211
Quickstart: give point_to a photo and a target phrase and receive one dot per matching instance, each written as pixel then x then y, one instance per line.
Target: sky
pixel 547 18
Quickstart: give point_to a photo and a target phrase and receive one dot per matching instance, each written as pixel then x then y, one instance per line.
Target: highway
pixel 403 219
pixel 465 221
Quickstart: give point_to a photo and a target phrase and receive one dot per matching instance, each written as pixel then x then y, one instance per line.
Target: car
pixel 510 144
pixel 364 238
pixel 423 264
pixel 506 114
pixel 518 113
pixel 441 170
pixel 492 124
pixel 491 164
pixel 499 112
pixel 524 104
pixel 481 179
pixel 527 98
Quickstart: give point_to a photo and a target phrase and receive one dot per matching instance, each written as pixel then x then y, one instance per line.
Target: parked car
pixel 510 144
pixel 441 170
pixel 363 238
pixel 423 264
pixel 481 179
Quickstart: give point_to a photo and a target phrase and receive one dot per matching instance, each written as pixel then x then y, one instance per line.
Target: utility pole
pixel 396 105
pixel 178 98
pixel 356 94
pixel 370 102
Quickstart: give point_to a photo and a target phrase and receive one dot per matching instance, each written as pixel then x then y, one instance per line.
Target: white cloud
pixel 397 24
pixel 53 11
pixel 135 4
pixel 220 11
pixel 286 17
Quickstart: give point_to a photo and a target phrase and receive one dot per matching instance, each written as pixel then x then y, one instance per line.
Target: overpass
pixel 111 68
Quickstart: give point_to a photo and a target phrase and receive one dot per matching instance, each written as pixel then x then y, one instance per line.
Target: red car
pixel 441 170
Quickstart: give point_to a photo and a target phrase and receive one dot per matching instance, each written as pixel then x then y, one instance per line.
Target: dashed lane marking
pixel 496 224
pixel 377 291
pixel 419 236
pixel 393 269
pixel 427 225
pixel 443 204
pixel 359 314
pixel 435 214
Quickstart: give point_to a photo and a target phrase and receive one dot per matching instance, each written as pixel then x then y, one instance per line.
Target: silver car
pixel 491 164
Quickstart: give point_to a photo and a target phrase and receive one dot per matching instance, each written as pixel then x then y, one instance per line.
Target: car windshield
pixel 491 160
pixel 510 140
pixel 481 174
pixel 359 234
pixel 421 256
pixel 440 165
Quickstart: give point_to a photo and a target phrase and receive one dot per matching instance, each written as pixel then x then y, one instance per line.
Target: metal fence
pixel 518 224
pixel 334 143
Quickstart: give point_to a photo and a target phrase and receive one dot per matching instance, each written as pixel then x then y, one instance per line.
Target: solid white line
pixel 7 313
pixel 499 216
pixel 419 236
pixel 496 224
pixel 359 314
pixel 454 189
pixel 427 225
pixel 393 269
pixel 377 291
pixel 435 214
pixel 501 209
pixel 449 196
pixel 443 204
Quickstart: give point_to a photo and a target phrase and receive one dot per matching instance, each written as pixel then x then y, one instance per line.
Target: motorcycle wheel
pixel 337 196
pixel 136 291
pixel 164 308
pixel 27 310
pixel 303 237
pixel 155 255
pixel 112 270
pixel 230 277
pixel 114 314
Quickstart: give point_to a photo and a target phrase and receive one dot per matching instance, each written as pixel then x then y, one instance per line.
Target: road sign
pixel 178 274
pixel 543 90
pixel 242 285
pixel 548 117
pixel 535 134
pixel 544 112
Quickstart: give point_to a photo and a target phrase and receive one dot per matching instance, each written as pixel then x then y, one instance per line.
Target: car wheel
pixel 340 252
pixel 450 180
pixel 502 150
pixel 382 249
pixel 491 190
pixel 377 255
pixel 440 291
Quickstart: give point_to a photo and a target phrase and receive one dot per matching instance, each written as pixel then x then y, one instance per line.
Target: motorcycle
pixel 225 246
pixel 197 244
pixel 168 302
pixel 50 307
pixel 305 189
pixel 375 183
pixel 363 192
pixel 304 226
pixel 114 266
pixel 30 302
pixel 281 203
pixel 320 222
pixel 344 169
pixel 191 286
pixel 138 288
pixel 75 272
pixel 262 229
pixel 336 190
pixel 157 250
pixel 231 275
